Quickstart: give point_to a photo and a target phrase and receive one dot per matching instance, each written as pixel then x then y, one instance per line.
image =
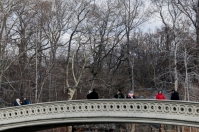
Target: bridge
pixel 100 111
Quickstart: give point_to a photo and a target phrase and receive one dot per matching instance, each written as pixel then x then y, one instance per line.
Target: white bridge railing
pixel 101 111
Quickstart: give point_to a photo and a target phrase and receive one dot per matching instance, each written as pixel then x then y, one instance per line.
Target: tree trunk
pixel 186 77
pixel 197 24
pixel 133 128
pixel 178 128
pixel 71 93
pixel 197 34
pixel 182 128
pixel 175 68
pixel 161 128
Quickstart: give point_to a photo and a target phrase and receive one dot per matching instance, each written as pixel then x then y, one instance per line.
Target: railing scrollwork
pixel 101 111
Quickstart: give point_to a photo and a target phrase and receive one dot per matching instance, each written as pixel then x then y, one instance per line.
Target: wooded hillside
pixel 54 50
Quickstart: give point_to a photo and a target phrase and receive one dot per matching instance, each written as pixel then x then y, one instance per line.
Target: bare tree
pixel 133 16
pixel 52 23
pixel 170 17
pixel 79 15
pixel 191 10
pixel 22 32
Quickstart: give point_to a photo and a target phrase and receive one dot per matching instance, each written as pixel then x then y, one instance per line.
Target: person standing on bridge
pixel 17 102
pixel 130 95
pixel 160 95
pixel 119 95
pixel 174 95
pixel 92 95
pixel 25 101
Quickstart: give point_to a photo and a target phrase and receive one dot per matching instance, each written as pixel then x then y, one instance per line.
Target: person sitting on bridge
pixel 17 102
pixel 130 95
pixel 119 95
pixel 92 95
pixel 174 95
pixel 160 95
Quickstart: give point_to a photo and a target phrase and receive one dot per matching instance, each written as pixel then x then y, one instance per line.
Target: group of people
pixel 18 103
pixel 160 96
pixel 174 95
pixel 119 95
pixel 94 95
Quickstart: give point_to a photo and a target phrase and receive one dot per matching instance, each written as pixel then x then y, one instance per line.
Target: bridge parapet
pixel 101 111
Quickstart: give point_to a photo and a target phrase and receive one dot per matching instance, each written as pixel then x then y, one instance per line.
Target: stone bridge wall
pixel 101 111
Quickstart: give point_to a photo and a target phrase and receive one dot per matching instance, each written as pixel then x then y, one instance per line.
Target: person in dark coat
pixel 119 95
pixel 174 95
pixel 92 95
pixel 25 101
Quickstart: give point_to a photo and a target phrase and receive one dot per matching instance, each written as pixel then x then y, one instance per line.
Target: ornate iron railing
pixel 101 111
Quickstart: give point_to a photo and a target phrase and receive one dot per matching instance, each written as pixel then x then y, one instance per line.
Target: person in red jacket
pixel 160 95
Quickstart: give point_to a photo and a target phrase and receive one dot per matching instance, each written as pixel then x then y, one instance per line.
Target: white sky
pixel 151 25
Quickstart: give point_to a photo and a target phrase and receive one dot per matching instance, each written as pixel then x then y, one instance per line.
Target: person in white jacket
pixel 17 102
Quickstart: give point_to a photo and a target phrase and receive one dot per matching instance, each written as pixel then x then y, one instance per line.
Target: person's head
pixel 130 94
pixel 24 98
pixel 93 90
pixel 159 91
pixel 119 91
pixel 18 100
pixel 130 91
pixel 89 91
pixel 172 91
